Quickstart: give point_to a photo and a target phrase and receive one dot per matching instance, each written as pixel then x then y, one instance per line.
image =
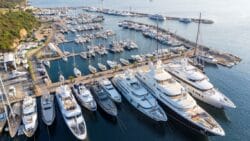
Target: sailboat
pixel 124 61
pixel 92 69
pixel 102 67
pixel 46 63
pixel 113 64
pixel 61 78
pixel 65 58
pixel 77 72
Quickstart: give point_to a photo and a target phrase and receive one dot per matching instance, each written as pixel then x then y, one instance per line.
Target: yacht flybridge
pixel 138 96
pixel 181 106
pixel 197 84
pixel 71 112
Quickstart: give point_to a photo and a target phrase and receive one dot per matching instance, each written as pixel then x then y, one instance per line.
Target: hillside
pixel 13 27
pixel 10 3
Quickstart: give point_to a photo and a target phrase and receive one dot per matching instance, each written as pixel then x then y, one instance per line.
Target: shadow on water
pixel 208 65
pixel 181 130
pixel 155 127
pixel 107 117
pixel 215 112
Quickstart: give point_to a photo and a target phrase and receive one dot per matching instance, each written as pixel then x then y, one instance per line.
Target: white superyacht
pixel 111 91
pixel 84 96
pixel 29 116
pixel 181 106
pixel 197 84
pixel 71 112
pixel 138 96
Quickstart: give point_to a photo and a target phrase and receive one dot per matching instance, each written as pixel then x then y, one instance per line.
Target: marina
pixel 115 67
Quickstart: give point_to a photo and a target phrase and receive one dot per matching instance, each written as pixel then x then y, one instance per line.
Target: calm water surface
pixel 230 32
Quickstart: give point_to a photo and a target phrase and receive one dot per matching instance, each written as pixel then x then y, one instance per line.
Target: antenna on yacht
pixel 74 63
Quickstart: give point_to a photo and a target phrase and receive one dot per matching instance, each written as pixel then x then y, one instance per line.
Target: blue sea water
pixel 230 33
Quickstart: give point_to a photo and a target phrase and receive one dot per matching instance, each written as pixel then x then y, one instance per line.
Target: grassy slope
pixel 10 25
pixel 10 3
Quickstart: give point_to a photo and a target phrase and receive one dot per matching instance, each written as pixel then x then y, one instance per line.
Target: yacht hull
pixel 48 116
pixel 79 137
pixel 31 132
pixel 187 123
pixel 2 124
pixel 15 123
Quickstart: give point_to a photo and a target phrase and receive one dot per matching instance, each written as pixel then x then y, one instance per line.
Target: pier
pixel 225 59
pixel 91 78
pixel 131 13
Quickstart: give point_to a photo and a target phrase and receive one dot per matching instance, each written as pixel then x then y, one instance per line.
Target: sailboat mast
pixel 157 46
pixel 74 63
pixel 5 94
pixel 197 36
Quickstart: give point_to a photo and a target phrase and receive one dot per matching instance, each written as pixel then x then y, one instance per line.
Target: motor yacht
pixel 111 91
pixel 180 105
pixel 71 112
pixel 84 96
pixel 92 69
pixel 29 116
pixel 138 96
pixel 48 109
pixel 198 84
pixel 103 100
